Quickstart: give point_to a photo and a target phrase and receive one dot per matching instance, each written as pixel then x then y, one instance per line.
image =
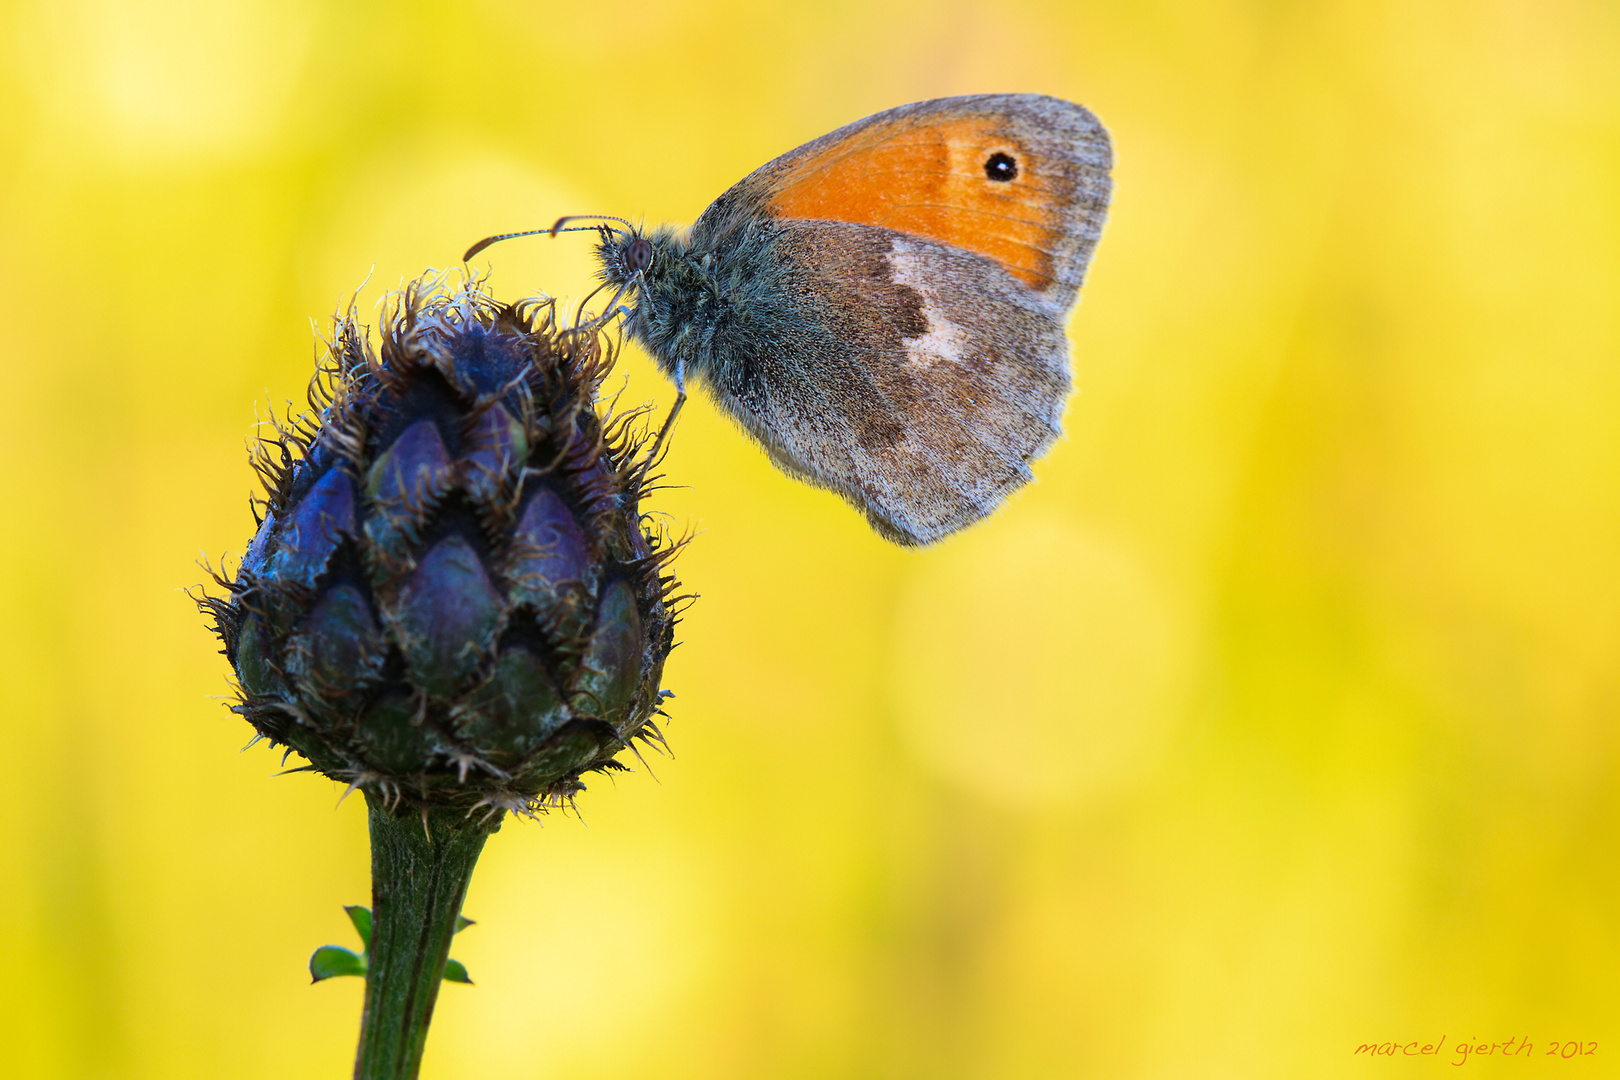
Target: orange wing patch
pixel 931 182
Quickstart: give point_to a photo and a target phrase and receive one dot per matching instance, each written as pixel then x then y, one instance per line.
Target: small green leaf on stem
pixel 361 917
pixel 330 961
pixel 462 922
pixel 456 971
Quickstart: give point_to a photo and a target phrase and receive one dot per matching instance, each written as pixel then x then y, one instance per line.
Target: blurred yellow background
pixel 1277 716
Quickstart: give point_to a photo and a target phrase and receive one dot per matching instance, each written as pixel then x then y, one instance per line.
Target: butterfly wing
pixel 1020 179
pixel 890 300
pixel 916 379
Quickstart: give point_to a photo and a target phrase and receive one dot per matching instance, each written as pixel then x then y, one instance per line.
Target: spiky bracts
pixel 451 601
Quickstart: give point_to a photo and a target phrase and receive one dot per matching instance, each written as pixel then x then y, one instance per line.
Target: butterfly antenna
pixel 488 240
pixel 553 231
pixel 558 227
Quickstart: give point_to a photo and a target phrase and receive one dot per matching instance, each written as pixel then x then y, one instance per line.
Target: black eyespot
pixel 638 254
pixel 1001 167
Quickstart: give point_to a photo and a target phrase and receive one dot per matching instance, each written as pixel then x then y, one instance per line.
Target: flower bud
pixel 451 600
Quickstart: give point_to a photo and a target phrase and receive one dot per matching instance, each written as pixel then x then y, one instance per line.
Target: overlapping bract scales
pixel 451 599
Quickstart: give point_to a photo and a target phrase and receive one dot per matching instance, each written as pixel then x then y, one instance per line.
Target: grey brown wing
pixel 916 379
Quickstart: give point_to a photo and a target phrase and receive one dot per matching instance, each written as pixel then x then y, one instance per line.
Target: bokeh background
pixel 1277 716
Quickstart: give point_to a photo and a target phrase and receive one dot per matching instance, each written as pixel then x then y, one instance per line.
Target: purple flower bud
pixel 451 600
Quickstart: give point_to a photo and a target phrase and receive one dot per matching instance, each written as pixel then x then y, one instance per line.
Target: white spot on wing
pixel 944 340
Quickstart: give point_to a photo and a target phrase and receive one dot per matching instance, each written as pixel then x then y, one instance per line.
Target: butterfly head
pixel 658 278
pixel 625 256
pixel 629 256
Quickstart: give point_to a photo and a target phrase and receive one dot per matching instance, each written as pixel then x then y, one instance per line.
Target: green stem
pixel 419 876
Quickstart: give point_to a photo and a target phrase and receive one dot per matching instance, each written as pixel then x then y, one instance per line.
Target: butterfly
pixel 883 308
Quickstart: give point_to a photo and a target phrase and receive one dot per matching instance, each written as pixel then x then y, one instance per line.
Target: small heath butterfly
pixel 884 308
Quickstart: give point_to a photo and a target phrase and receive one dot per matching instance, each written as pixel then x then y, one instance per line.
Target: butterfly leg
pixel 674 411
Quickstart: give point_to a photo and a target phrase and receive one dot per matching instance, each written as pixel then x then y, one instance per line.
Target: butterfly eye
pixel 1001 167
pixel 638 254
